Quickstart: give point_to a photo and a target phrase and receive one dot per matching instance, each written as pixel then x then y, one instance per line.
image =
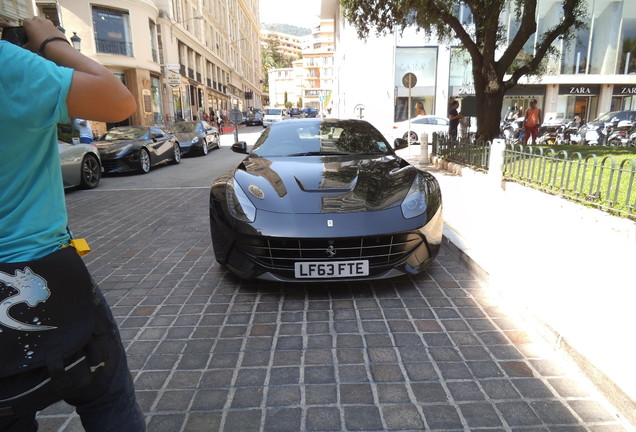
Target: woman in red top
pixel 532 122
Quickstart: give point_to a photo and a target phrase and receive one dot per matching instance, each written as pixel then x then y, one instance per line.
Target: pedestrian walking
pixel 531 122
pixel 58 337
pixel 454 116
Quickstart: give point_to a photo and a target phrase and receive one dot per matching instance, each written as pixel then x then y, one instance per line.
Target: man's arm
pixel 91 81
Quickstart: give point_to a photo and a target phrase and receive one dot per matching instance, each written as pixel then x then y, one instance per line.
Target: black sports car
pixel 320 199
pixel 137 148
pixel 196 137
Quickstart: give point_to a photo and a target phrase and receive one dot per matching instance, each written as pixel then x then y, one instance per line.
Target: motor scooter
pixel 619 135
pixel 513 128
pixel 569 132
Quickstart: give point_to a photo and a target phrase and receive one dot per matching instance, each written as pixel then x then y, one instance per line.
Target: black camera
pixel 15 35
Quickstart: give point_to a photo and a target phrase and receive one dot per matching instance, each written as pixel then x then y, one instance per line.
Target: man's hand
pixel 39 29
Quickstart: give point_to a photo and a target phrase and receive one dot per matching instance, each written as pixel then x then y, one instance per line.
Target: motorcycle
pixel 512 128
pixel 549 130
pixel 569 132
pixel 619 135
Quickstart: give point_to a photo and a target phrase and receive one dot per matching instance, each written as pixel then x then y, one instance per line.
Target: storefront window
pixel 606 23
pixel 627 42
pixel 421 61
pixel 155 87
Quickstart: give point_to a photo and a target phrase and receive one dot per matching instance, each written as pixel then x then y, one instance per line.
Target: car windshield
pixel 273 111
pixel 606 117
pixel 321 137
pixel 185 127
pixel 126 133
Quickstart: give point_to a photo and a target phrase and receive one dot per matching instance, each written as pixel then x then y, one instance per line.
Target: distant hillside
pixel 287 29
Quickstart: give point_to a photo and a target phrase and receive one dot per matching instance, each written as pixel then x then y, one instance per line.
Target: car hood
pixel 185 137
pixel 325 184
pixel 113 146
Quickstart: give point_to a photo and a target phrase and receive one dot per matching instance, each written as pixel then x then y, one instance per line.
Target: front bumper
pixel 271 256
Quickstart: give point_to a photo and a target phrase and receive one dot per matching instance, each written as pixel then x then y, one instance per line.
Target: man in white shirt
pixel 85 130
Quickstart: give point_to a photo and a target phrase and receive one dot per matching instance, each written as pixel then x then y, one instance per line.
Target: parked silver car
pixel 81 165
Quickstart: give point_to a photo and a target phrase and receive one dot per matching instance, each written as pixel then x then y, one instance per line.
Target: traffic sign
pixel 236 116
pixel 409 80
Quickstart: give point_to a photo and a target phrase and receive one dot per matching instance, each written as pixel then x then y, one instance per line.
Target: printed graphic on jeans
pixel 31 289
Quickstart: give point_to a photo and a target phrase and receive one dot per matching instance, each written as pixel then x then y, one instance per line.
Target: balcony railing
pixel 107 46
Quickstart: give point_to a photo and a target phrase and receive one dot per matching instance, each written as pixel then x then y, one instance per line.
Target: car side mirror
pixel 239 147
pixel 400 143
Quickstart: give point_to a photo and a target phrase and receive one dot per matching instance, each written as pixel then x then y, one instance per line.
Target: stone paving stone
pixel 323 419
pixel 402 417
pixel 363 418
pixel 210 352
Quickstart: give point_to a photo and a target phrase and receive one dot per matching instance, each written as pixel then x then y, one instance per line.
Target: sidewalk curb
pixel 625 406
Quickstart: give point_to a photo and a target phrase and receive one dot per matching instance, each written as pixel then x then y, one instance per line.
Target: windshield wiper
pixel 330 153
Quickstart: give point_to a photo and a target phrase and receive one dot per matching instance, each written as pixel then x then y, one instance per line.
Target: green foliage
pixel 597 176
pixel 287 29
pixel 65 132
pixel 299 104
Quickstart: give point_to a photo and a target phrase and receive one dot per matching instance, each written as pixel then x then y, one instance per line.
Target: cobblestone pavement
pixel 212 353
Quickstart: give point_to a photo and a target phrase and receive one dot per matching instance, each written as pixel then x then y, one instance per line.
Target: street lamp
pixel 198 17
pixel 76 41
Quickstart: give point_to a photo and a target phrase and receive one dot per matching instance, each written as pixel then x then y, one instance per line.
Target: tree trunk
pixel 489 92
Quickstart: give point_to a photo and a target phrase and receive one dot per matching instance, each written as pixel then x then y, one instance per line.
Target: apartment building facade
pixel 311 79
pixel 179 58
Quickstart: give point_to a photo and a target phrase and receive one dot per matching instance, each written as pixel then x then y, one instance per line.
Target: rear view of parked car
pixel 196 137
pixel 273 115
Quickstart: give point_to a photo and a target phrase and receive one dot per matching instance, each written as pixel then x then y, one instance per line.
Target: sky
pixel 301 13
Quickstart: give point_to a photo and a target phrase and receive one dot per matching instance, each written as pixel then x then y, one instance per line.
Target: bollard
pixel 424 148
pixel 496 162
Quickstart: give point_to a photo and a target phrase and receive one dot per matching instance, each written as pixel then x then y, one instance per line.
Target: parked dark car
pixel 137 148
pixel 254 119
pixel 81 165
pixel 596 131
pixel 294 112
pixel 196 137
pixel 324 199
pixel 309 112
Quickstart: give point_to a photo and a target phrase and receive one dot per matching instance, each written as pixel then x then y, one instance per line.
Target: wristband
pixel 50 39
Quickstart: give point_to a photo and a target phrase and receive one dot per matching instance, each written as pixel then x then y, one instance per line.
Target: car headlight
pixel 238 203
pixel 414 204
pixel 122 150
pixel 195 140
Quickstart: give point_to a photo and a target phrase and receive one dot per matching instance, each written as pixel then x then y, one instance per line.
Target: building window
pixel 49 11
pixel 153 40
pixel 112 31
pixel 606 24
pixel 627 42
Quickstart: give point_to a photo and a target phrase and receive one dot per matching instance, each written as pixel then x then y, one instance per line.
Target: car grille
pixel 282 253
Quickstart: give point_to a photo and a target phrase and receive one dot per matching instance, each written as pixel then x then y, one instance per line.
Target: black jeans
pixel 107 403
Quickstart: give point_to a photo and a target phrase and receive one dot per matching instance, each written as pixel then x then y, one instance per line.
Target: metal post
pixel 496 162
pixel 424 148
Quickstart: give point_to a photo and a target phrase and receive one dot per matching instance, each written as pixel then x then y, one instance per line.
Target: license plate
pixel 334 269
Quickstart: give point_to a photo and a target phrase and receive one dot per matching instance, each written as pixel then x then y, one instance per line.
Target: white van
pixel 272 115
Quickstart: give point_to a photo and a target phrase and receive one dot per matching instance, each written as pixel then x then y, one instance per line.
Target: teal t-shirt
pixel 33 91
